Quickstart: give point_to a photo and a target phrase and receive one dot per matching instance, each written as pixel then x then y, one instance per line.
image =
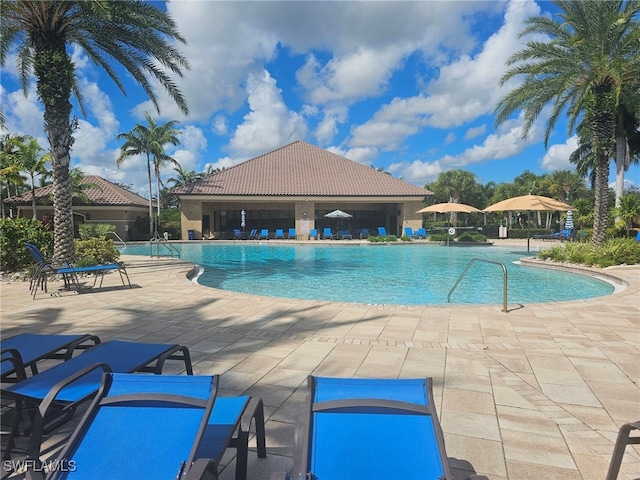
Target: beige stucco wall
pixel 191 218
pixel 123 218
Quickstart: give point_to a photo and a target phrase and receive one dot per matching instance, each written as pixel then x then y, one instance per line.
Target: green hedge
pixel 14 233
pixel 617 251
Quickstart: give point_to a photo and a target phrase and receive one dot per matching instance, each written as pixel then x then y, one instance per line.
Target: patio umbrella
pixel 568 224
pixel 529 203
pixel 338 214
pixel 449 207
pixel 243 217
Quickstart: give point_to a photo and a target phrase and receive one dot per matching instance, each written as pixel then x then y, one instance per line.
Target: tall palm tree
pixel 183 177
pixel 133 33
pixel 149 141
pixel 33 162
pixel 587 69
pixel 9 165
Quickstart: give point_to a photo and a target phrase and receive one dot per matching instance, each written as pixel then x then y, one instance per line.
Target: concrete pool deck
pixel 536 393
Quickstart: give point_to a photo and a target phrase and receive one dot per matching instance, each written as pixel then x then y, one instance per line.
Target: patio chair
pixel 264 233
pixel 57 391
pixel 408 231
pixel 369 429
pixel 313 233
pixel 422 233
pixel 624 439
pixel 327 234
pixel 253 235
pixel 279 234
pixel 69 273
pixel 229 426
pixel 364 233
pixel 382 231
pixel 237 234
pixel 138 426
pixel 345 235
pixel 30 348
pixel 292 234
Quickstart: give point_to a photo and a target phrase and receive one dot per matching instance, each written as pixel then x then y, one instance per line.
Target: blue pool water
pixel 380 274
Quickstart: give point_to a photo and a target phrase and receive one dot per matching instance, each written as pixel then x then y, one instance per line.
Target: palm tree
pixel 183 177
pixel 9 165
pixel 629 210
pixel 587 69
pixel 134 34
pixel 32 162
pixel 149 141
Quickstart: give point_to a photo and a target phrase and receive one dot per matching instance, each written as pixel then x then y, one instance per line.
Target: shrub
pixel 616 251
pixel 95 251
pixel 95 230
pixel 381 239
pixel 14 233
pixel 174 229
pixel 438 237
pixel 405 238
pixel 472 237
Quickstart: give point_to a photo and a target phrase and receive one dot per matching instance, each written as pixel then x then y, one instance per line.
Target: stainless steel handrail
pixel 161 241
pixel 124 245
pixel 504 280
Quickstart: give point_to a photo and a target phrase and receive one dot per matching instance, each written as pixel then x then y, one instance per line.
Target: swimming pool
pixel 409 274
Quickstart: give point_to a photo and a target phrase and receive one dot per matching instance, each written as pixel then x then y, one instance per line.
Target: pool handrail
pixel 504 281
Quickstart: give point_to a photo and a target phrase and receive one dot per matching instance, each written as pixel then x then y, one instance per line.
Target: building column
pixel 304 212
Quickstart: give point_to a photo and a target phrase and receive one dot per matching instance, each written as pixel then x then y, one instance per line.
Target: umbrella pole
pixel 528 229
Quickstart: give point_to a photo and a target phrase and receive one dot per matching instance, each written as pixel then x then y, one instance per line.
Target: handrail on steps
pixel 124 245
pixel 504 281
pixel 162 241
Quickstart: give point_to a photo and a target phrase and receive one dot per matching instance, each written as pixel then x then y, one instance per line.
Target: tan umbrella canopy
pixel 449 207
pixel 535 203
pixel 529 202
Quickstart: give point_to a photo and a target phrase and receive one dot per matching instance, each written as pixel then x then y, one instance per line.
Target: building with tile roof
pixel 295 186
pixel 104 202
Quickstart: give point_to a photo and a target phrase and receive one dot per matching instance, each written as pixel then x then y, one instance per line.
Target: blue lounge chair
pixel 253 235
pixel 638 236
pixel 327 235
pixel 279 234
pixel 237 234
pixel 389 428
pixel 408 231
pixel 139 426
pixel 422 233
pixel 313 233
pixel 63 387
pixel 264 233
pixel 382 231
pixel 69 273
pixel 27 349
pixel 364 233
pixel 345 235
pixel 292 234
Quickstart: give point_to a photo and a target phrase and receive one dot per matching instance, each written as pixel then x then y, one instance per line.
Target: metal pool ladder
pixel 504 281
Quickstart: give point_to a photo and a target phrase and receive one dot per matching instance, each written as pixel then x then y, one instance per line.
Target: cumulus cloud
pixel 557 156
pixel 269 123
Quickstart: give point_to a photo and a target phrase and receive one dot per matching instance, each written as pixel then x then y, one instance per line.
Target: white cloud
pixel 464 90
pixel 475 132
pixel 269 124
pixel 557 156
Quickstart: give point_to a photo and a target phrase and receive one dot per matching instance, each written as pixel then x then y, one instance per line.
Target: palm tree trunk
pixel 150 198
pixel 601 201
pixel 157 194
pixel 55 73
pixel 33 198
pixel 621 161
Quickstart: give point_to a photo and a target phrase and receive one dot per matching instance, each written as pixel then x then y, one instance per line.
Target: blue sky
pixel 407 86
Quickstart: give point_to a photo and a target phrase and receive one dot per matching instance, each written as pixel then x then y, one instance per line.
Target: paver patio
pixel 535 393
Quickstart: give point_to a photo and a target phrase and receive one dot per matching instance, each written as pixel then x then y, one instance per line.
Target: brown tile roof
pixel 108 194
pixel 301 169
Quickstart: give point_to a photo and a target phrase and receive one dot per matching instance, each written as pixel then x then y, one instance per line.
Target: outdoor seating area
pixel 128 412
pixel 44 269
pixel 516 395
